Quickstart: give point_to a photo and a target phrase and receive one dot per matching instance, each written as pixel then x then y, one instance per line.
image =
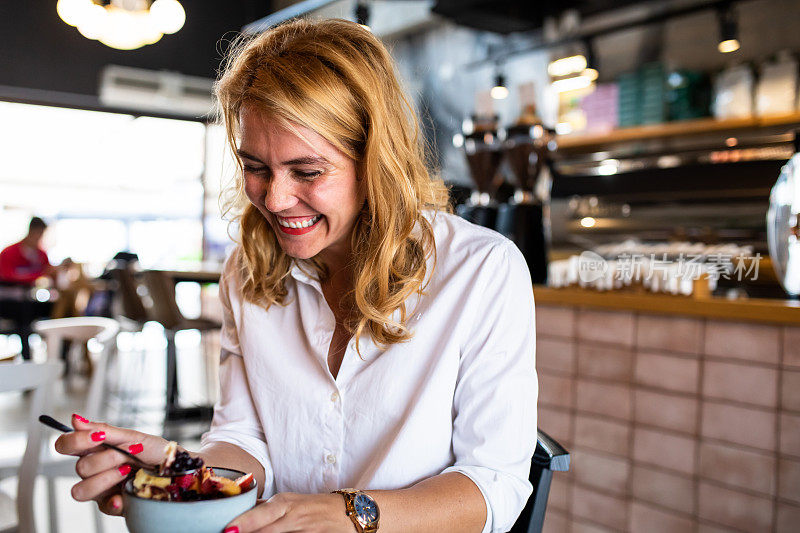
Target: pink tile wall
pixel 789 480
pixel 600 507
pixel 555 321
pixel 598 361
pixel 664 450
pixel 738 468
pixel 555 354
pixel 790 390
pixel 602 435
pixel 741 382
pixel 667 372
pixel 667 489
pixel 602 471
pixel 752 342
pixel 674 423
pixel 654 520
pixel 672 334
pixel 739 425
pixel 675 412
pixel 612 400
pixel 555 390
pixel 734 509
pixel 791 346
pixel 610 327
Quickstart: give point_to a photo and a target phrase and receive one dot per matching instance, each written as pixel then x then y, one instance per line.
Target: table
pixel 175 412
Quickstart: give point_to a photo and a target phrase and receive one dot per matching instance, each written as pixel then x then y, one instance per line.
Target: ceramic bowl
pixel 143 515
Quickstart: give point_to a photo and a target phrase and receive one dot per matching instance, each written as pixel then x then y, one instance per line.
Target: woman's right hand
pixel 102 470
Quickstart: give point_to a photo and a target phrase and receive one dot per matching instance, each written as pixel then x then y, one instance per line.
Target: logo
pixel 591 267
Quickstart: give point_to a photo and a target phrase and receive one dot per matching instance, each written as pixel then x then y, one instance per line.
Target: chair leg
pixel 51 504
pixel 172 371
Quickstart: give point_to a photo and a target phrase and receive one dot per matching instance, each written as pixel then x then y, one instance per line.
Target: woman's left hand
pixel 287 511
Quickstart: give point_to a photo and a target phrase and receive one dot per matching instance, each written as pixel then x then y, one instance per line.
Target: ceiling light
pixel 566 66
pixel 588 222
pixel 573 83
pixel 728 29
pixel 123 24
pixel 499 91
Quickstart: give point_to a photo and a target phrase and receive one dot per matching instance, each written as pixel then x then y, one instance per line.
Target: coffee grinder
pixel 484 155
pixel 522 218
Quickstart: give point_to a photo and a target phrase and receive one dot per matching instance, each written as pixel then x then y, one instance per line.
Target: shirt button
pixel 335 397
pixel 330 459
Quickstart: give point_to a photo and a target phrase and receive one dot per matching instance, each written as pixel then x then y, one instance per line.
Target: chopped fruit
pixel 144 479
pixel 170 452
pixel 245 481
pixel 173 485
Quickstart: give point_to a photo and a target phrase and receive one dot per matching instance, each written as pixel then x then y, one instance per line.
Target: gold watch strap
pixel 349 496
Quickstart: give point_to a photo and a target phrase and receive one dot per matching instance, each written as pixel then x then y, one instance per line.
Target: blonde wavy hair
pixel 337 79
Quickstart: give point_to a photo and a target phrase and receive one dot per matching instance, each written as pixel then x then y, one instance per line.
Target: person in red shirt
pixel 25 261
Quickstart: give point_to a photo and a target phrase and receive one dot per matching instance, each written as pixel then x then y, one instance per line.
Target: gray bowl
pixel 143 515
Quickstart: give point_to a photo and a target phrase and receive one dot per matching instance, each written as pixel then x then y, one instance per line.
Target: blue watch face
pixel 366 509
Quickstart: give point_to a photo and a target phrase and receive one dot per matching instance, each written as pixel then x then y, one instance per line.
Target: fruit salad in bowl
pixel 182 478
pixel 183 495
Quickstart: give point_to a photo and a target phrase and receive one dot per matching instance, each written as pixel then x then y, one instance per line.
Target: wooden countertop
pixel 745 310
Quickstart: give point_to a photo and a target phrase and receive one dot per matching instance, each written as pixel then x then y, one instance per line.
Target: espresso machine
pixel 522 218
pixel 484 153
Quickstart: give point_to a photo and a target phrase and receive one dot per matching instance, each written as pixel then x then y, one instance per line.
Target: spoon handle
pixel 55 424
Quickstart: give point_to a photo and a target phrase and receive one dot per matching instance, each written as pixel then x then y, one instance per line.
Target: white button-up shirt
pixel 460 396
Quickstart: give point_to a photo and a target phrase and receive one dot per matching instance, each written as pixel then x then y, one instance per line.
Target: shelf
pixel 672 129
pixel 742 310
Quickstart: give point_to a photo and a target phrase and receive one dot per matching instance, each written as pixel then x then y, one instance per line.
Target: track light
pixel 728 29
pixel 499 91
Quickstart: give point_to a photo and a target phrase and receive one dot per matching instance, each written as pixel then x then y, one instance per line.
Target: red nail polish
pixel 98 436
pixel 232 529
pixel 124 470
pixel 79 418
pixel 115 503
pixel 136 448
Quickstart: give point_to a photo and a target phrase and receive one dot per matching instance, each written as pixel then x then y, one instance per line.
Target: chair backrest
pixel 549 456
pixel 80 330
pixel 164 308
pixel 39 377
pixel 129 301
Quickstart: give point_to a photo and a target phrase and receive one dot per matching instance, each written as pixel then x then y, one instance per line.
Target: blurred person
pixel 25 261
pixel 371 339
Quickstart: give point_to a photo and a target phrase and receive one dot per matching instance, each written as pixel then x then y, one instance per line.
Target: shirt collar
pixel 305 274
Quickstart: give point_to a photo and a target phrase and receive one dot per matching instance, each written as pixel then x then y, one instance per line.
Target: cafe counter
pixel 678 411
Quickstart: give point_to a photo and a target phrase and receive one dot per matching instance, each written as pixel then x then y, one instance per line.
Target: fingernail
pixel 124 470
pixel 79 418
pixel 115 503
pixel 136 448
pixel 232 529
pixel 98 436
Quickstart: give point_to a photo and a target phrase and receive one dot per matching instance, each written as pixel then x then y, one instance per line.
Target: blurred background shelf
pixel 594 141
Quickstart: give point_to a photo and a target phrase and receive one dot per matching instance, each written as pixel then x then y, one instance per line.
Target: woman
pixel 370 339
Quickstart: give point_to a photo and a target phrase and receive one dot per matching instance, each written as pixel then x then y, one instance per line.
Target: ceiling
pixel 39 51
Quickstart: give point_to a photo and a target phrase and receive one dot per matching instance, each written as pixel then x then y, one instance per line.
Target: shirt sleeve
pixel 494 426
pixel 235 417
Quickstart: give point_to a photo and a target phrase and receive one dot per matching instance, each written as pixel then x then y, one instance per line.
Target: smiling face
pixel 304 186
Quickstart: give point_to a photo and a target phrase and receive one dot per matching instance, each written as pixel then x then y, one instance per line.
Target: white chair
pixel 20 377
pixel 78 330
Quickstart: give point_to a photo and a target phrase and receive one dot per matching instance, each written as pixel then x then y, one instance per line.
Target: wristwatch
pixel 361 509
